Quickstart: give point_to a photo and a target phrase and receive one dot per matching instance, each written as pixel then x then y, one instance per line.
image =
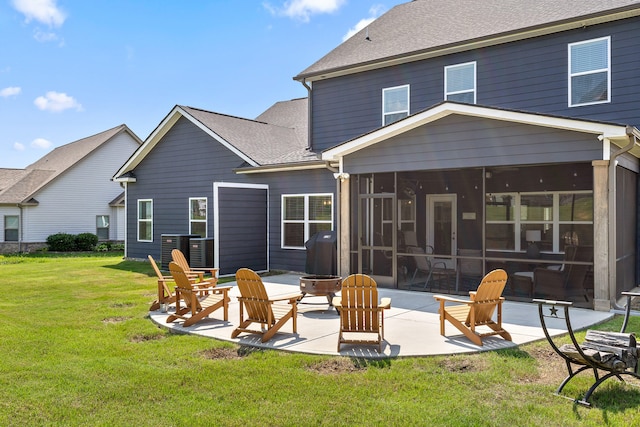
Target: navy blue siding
pixel 529 75
pixel 186 163
pixel 294 182
pixel 243 230
pixel 458 142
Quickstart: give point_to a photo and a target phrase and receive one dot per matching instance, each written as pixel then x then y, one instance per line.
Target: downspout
pixel 633 140
pixel 125 187
pixel 309 144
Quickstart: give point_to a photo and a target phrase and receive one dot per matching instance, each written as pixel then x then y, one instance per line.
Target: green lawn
pixel 77 348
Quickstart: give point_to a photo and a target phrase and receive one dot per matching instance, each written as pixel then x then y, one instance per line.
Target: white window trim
pixel 555 221
pixel 108 227
pixel 206 215
pixel 306 221
pixel 4 228
pixel 388 113
pixel 608 70
pixel 475 82
pixel 144 220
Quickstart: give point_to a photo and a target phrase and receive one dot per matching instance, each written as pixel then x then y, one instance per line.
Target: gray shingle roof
pixel 19 185
pixel 279 135
pixel 9 177
pixel 423 26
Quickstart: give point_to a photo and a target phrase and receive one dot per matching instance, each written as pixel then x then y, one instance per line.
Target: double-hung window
pixel 102 227
pixel 198 216
pixel 590 72
pixel 145 220
pixel 460 82
pixel 11 228
pixel 303 215
pixel 395 104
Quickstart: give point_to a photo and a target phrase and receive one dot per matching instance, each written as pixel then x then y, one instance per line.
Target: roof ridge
pixel 222 114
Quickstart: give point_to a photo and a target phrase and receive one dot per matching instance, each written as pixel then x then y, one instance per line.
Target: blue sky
pixel 73 68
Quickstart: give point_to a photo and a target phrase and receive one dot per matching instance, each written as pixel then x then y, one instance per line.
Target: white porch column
pixel 345 233
pixel 601 250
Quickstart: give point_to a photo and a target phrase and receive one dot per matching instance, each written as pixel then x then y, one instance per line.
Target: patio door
pixel 377 234
pixel 442 226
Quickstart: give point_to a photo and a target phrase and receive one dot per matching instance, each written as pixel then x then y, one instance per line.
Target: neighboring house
pixel 68 190
pixel 492 126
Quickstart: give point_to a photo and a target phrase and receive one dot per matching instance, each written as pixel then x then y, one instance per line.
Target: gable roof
pixel 21 185
pixel 278 136
pixel 421 29
pixel 290 114
pixel 618 134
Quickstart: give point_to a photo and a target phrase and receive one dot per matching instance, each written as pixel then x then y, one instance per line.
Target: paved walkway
pixel 412 326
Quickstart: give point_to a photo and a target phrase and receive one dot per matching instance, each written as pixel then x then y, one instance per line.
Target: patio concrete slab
pixel 411 326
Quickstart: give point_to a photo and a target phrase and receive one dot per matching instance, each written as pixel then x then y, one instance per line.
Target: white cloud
pixel 374 12
pixel 303 9
pixel 41 143
pixel 44 36
pixel 44 11
pixel 10 91
pixel 57 102
pixel 18 146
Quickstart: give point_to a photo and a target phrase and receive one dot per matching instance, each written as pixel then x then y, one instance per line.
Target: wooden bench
pixel 615 353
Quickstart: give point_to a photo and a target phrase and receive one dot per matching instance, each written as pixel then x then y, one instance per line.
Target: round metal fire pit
pixel 321 285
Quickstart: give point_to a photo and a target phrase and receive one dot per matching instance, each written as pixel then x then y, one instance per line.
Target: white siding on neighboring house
pixel 70 203
pixel 118 220
pixel 6 210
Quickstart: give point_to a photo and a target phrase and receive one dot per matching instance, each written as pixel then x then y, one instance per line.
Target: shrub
pixel 61 242
pixel 109 246
pixel 117 247
pixel 103 247
pixel 86 241
pixel 65 242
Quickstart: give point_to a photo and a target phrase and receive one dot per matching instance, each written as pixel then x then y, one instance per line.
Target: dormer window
pixel 395 104
pixel 460 82
pixel 589 72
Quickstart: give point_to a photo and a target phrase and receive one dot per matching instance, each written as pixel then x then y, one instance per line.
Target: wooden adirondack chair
pixel 198 304
pixel 165 296
pixel 179 258
pixel 478 310
pixel 271 313
pixel 360 312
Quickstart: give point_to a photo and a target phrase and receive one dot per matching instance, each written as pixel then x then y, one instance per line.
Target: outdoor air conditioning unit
pixel 174 241
pixel 201 252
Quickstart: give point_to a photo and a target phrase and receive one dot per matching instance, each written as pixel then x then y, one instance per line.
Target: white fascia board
pixel 281 168
pixel 610 131
pixel 149 143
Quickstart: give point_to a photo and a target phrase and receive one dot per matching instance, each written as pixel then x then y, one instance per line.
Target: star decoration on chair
pixel 554 311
